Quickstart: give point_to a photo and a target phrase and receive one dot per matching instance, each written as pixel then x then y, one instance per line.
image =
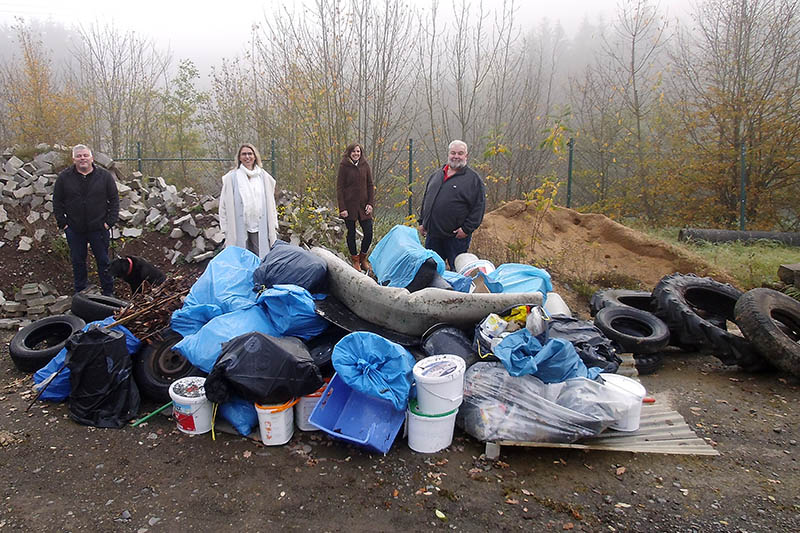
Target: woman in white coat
pixel 247 212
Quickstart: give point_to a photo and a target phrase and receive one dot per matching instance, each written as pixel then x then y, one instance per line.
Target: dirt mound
pixel 583 247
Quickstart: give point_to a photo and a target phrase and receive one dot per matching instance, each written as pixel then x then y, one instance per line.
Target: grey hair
pixel 457 142
pixel 78 147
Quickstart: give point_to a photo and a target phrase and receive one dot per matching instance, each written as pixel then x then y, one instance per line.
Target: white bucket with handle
pixel 190 407
pixel 440 383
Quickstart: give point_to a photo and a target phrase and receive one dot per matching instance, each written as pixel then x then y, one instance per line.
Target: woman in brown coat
pixel 355 192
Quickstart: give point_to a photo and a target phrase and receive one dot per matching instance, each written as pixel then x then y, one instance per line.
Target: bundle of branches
pixel 151 308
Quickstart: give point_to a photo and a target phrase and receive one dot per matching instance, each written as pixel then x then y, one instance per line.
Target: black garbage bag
pixel 446 339
pixel 594 348
pixel 263 369
pixel 102 390
pixel 289 264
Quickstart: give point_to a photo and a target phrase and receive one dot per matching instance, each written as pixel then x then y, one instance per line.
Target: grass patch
pixel 752 264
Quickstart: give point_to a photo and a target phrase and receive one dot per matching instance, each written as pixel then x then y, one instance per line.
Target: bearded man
pixel 453 205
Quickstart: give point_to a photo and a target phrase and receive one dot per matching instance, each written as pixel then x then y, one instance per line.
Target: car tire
pixel 621 297
pixel 93 307
pixel 771 321
pixel 685 303
pixel 636 331
pixel 157 365
pixel 26 348
pixel 648 363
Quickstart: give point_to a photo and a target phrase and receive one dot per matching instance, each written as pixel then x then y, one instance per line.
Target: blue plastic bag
pixel 204 347
pixel 241 414
pixel 515 278
pixel 398 256
pixel 375 366
pixel 60 387
pixel 292 312
pixel 522 354
pixel 226 285
pixel 459 282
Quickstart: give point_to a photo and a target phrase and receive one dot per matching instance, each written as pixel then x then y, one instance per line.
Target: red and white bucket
pixel 190 407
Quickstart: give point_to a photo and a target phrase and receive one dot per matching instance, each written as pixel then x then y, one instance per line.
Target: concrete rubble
pixel 146 204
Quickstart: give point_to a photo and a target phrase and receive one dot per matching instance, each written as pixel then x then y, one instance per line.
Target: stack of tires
pixel 694 314
pixel 626 317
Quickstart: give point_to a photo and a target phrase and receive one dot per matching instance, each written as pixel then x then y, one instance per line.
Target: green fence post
pixel 410 175
pixel 742 191
pixel 139 156
pixel 571 145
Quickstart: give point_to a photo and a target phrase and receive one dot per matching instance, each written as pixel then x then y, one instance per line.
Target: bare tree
pixel 118 76
pixel 737 86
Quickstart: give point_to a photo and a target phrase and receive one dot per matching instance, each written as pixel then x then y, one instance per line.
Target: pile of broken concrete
pixel 146 204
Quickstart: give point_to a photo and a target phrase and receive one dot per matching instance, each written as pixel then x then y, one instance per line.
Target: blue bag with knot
pixel 522 354
pixel 375 366
pixel 398 256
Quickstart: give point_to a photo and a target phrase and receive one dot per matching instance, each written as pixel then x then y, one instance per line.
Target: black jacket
pixel 85 202
pixel 457 203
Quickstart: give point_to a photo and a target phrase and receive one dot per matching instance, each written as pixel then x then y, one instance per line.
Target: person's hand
pixel 459 233
pixel 422 230
pixel 368 209
pixel 343 214
pixel 105 225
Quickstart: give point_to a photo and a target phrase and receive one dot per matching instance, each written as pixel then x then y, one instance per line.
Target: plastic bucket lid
pixel 439 368
pixel 625 383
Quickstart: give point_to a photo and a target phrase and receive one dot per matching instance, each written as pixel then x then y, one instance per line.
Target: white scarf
pixel 252 195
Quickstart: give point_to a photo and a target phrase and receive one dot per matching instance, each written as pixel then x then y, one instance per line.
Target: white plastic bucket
pixel 630 422
pixel 429 433
pixel 555 305
pixel 304 407
pixel 276 423
pixel 190 407
pixel 463 260
pixel 472 269
pixel 440 383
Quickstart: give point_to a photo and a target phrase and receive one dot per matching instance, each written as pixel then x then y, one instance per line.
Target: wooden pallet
pixel 661 430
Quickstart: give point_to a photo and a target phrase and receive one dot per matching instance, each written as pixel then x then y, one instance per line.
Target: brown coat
pixel 355 189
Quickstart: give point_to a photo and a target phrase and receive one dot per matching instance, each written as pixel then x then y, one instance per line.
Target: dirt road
pixel 59 476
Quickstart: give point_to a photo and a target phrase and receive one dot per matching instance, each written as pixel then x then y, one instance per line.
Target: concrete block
pixel 12 165
pixel 102 159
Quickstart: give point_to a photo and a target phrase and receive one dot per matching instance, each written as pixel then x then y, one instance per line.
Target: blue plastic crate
pixel 351 415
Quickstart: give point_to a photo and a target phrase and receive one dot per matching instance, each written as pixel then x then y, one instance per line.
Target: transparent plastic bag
pixel 498 406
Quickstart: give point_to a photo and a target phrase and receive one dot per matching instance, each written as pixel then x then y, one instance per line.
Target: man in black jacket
pixel 453 205
pixel 86 207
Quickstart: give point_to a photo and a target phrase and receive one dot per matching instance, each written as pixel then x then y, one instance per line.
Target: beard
pixel 458 165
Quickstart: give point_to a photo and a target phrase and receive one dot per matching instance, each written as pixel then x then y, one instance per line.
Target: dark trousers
pixel 252 242
pixel 78 250
pixel 448 247
pixel 366 227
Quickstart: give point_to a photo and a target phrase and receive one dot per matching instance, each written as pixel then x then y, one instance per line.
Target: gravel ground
pixel 59 476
